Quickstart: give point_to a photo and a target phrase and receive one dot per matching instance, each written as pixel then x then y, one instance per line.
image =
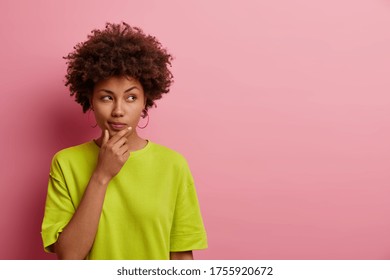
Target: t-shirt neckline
pixel 133 153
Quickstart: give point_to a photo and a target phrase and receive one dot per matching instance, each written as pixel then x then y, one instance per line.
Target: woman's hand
pixel 186 255
pixel 113 154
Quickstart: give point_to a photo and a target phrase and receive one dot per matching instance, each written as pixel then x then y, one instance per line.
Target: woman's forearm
pixel 77 238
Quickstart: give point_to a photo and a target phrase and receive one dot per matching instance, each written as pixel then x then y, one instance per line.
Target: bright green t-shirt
pixel 150 208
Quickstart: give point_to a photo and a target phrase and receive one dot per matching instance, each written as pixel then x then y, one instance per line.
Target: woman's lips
pixel 117 126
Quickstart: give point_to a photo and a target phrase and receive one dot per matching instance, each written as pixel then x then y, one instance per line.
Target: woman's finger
pixel 105 137
pixel 123 133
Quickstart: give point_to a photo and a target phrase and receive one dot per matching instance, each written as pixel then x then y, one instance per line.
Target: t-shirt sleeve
pixel 59 208
pixel 188 232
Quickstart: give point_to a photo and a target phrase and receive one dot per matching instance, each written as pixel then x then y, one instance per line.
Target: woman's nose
pixel 117 110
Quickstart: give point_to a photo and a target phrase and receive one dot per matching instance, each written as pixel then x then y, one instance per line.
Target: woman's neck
pixel 135 142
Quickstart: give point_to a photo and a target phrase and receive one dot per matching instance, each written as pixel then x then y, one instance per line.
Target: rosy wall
pixel 281 107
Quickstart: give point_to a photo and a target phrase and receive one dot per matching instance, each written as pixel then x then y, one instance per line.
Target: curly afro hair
pixel 118 50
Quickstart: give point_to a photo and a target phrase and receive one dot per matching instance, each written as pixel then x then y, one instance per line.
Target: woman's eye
pixel 131 98
pixel 106 98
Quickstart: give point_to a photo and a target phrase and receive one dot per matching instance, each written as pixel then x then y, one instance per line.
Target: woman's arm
pixel 181 255
pixel 77 238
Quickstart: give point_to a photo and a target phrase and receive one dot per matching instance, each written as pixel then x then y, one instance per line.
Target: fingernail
pixel 129 128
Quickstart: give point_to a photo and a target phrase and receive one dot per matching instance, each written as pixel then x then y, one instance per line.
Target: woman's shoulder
pixel 168 153
pixel 80 150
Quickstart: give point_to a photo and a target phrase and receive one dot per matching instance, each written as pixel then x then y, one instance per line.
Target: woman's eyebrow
pixel 111 92
pixel 106 90
pixel 129 89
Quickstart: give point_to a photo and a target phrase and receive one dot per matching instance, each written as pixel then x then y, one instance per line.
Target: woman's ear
pixel 91 103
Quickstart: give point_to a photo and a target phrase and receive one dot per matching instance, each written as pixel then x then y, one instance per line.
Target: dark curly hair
pixel 118 50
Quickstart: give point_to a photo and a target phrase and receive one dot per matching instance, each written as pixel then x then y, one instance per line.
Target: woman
pixel 120 196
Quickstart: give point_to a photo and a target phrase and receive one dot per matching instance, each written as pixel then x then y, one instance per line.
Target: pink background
pixel 281 108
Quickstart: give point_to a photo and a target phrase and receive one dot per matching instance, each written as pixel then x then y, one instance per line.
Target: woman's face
pixel 118 103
